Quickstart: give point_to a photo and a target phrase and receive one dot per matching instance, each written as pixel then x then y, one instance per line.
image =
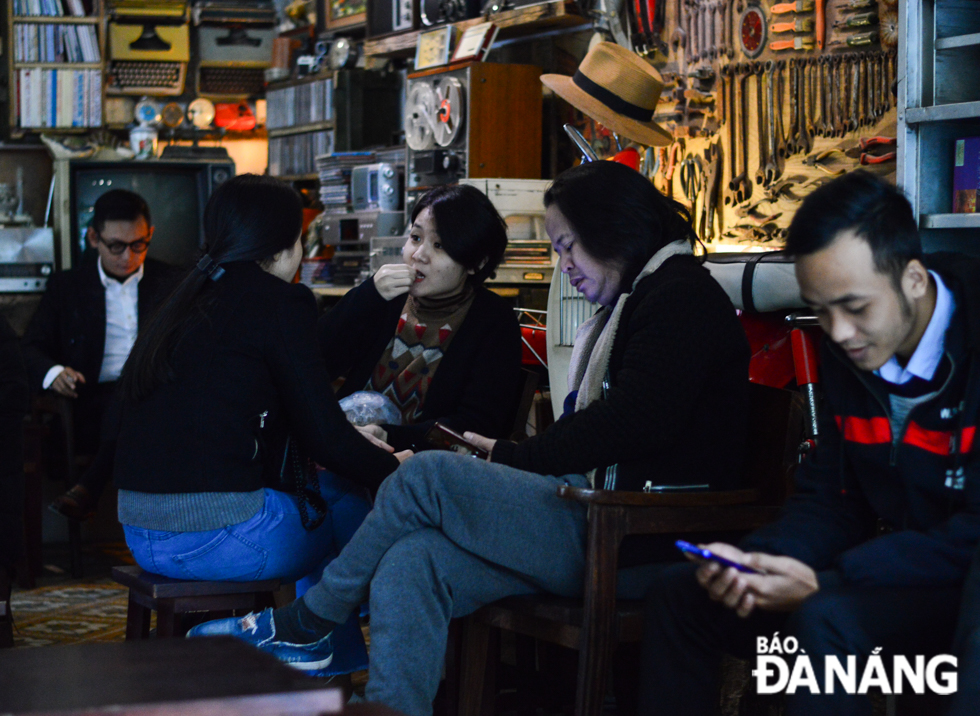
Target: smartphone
pixel 689 548
pixel 448 439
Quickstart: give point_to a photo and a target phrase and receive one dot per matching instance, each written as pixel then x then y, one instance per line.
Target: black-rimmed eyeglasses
pixel 117 247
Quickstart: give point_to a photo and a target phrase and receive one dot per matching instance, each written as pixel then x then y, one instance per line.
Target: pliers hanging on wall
pixel 818 160
pixel 862 153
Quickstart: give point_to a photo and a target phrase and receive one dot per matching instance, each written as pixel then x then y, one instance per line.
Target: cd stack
pixel 299 120
pixel 293 155
pixel 334 171
pixel 300 105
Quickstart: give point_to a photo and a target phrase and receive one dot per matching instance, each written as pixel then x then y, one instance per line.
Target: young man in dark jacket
pixel 85 325
pixel 870 554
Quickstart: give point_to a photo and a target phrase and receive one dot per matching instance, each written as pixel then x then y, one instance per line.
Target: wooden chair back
pixel 63 411
pixel 775 433
pixel 598 622
pixel 529 386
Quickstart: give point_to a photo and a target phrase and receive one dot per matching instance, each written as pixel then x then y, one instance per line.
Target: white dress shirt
pixel 929 353
pixel 121 325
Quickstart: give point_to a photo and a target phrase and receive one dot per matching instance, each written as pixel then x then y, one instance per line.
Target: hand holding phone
pixel 705 554
pixel 448 439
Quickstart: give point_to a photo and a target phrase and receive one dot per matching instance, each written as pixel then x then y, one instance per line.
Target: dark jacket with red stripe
pixel 924 486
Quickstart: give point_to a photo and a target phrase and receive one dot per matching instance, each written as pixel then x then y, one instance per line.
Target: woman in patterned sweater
pixel 428 335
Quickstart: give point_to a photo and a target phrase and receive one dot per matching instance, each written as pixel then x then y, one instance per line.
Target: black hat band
pixel 614 102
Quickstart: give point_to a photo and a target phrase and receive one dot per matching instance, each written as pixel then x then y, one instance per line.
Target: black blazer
pixel 249 359
pixel 476 385
pixel 69 325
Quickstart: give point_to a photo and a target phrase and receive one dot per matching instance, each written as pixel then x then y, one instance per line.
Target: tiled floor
pixel 64 610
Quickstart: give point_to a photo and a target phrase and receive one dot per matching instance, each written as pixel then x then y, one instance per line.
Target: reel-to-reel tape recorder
pixel 478 120
pixel 435 116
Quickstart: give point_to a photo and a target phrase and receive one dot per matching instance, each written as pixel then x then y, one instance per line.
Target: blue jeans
pixel 271 544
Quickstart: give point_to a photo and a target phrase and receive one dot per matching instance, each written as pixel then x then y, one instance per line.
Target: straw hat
pixel 618 89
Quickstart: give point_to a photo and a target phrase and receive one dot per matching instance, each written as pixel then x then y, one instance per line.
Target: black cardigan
pixel 677 404
pixel 476 385
pixel 253 350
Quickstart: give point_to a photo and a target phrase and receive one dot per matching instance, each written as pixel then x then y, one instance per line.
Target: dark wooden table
pixel 160 672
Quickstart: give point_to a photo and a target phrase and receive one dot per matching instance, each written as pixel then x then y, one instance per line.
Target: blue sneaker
pixel 260 630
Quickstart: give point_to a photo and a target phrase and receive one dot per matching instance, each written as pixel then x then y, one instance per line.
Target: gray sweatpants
pixel 447 535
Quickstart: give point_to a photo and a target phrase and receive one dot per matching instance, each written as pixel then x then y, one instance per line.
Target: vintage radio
pixel 529 257
pixel 26 259
pixel 360 226
pixel 385 17
pixel 376 186
pixel 351 235
pixel 478 120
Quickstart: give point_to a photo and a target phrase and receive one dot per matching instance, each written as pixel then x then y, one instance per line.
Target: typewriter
pixel 146 78
pixel 230 81
pixel 234 43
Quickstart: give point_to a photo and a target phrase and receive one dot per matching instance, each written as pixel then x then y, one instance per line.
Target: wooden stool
pixel 170 597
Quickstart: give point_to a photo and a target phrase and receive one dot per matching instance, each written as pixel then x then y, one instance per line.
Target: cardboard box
pixel 966 175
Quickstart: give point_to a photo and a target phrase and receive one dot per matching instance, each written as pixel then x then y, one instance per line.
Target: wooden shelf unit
pixel 60 20
pixel 298 177
pixel 308 79
pixel 300 129
pixel 512 23
pixel 98 19
pixel 58 65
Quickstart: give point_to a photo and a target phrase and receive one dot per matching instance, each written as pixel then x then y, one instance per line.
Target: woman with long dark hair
pixel 224 400
pixel 660 383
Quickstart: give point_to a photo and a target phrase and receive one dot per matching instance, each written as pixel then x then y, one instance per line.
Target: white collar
pixel 929 353
pixel 105 278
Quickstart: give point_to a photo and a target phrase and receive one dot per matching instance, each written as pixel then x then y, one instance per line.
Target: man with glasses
pixel 86 325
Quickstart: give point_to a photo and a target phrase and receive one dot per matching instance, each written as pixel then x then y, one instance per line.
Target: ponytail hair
pixel 248 218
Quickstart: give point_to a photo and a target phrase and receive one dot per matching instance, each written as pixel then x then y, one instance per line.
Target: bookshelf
pixel 62 95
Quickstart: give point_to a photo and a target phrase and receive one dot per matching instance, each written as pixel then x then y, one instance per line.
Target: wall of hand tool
pixel 767 102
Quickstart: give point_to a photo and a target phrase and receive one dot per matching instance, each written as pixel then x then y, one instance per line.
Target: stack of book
pixel 55 43
pixel 48 8
pixel 59 98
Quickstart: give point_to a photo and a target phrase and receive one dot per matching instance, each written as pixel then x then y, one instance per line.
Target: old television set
pixel 175 190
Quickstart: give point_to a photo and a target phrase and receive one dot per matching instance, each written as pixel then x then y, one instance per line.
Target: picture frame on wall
pixel 345 13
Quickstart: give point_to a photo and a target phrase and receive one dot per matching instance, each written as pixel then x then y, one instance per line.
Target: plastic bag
pixel 366 407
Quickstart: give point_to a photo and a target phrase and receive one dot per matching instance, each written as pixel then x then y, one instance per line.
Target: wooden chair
pixel 6 616
pixel 38 442
pixel 596 624
pixel 169 598
pixel 529 387
pixel 35 473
